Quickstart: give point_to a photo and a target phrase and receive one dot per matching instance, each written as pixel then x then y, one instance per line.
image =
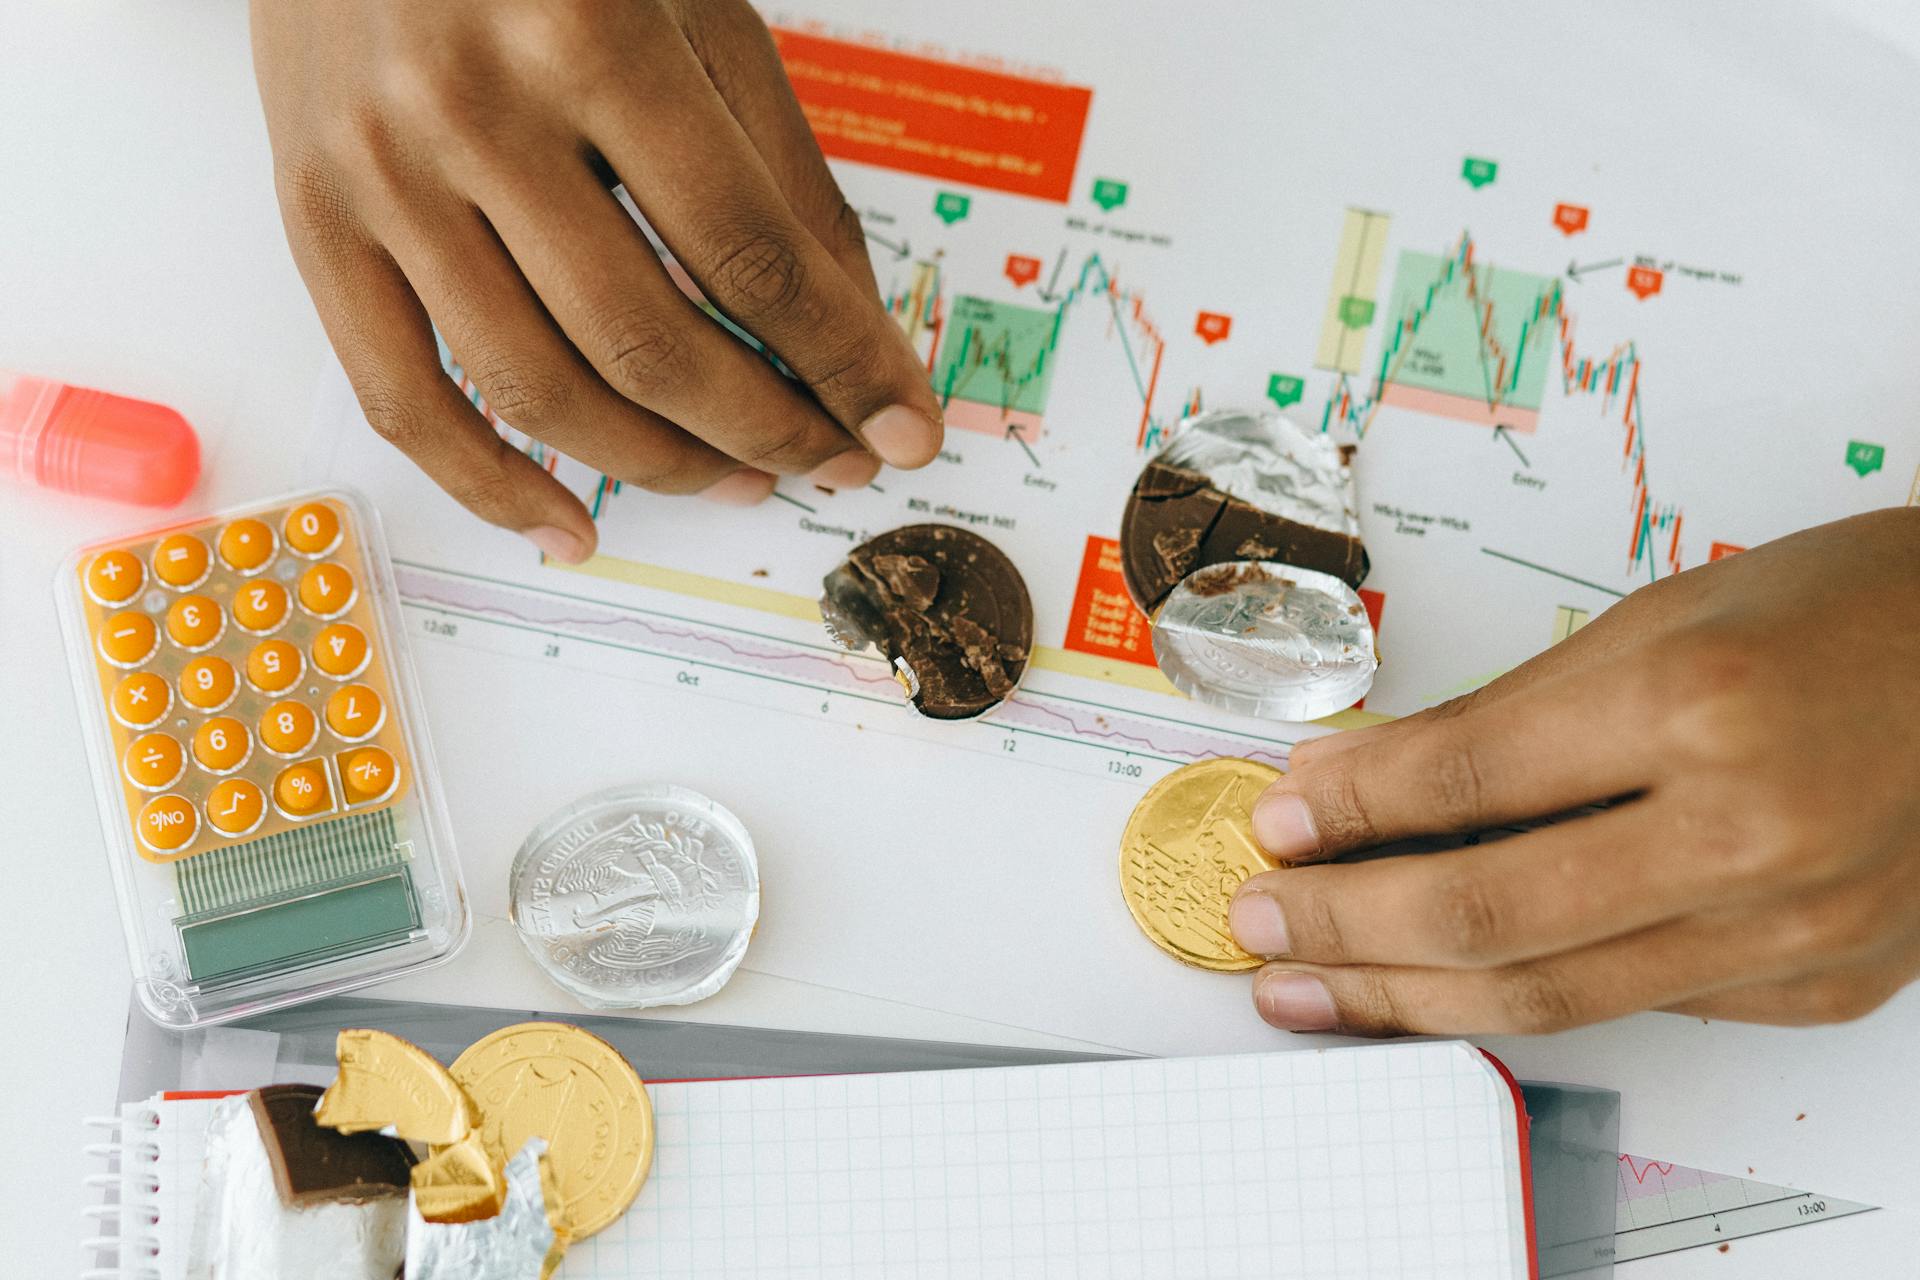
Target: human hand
pixel 444 162
pixel 1756 719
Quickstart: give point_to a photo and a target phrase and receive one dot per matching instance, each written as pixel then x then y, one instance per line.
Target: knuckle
pixel 1471 925
pixel 759 271
pixel 1840 997
pixel 1534 1000
pixel 642 357
pixel 1338 808
pixel 312 195
pixel 1457 783
pixel 657 474
pixel 487 491
pixel 1372 1007
pixel 1316 928
pixel 1840 928
pixel 429 92
pixel 1713 692
pixel 789 447
pixel 394 418
pixel 521 393
pixel 846 225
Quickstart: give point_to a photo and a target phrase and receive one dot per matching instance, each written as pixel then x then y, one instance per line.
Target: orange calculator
pixel 264 776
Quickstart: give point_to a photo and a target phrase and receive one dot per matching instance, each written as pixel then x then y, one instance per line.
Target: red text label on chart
pixel 1103 621
pixel 937 119
pixel 1721 550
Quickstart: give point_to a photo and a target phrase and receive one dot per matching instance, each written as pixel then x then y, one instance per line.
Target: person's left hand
pixel 1756 722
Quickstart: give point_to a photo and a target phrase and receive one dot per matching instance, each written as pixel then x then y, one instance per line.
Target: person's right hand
pixel 444 164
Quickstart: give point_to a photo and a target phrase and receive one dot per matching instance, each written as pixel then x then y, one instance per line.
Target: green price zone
pixel 1464 342
pixel 996 366
pixel 1350 300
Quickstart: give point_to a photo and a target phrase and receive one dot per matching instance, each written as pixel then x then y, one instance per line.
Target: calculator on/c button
pixel 262 766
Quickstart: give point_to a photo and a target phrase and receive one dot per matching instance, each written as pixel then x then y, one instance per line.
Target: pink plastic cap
pixel 93 443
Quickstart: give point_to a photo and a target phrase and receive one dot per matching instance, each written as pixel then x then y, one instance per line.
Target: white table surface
pixel 140 250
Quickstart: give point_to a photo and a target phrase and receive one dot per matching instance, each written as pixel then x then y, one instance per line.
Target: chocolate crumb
pixel 759 573
pixel 1725 1247
pixel 1221 579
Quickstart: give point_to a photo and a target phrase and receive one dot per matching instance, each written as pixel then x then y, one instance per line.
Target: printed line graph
pixel 1661 1207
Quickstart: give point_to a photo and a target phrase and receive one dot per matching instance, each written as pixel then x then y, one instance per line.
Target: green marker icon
pixel 1478 172
pixel 951 206
pixel 1865 458
pixel 1285 389
pixel 1356 313
pixel 1108 194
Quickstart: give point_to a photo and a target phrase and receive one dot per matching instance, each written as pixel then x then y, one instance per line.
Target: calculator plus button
pixel 355 712
pixel 366 775
pixel 221 745
pixel 235 806
pixel 114 577
pixel 326 590
pixel 312 529
pixel 141 700
pixel 194 622
pixel 246 545
pixel 261 606
pixel 127 639
pixel 167 824
pixel 301 790
pixel 274 666
pixel 207 683
pixel 181 560
pixel 154 761
pixel 340 650
pixel 288 728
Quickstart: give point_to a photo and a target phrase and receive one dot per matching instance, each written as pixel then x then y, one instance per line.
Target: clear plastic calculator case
pixel 266 785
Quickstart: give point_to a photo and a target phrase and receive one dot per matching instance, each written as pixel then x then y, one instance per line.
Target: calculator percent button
pixel 274 666
pixel 167 824
pixel 327 590
pixel 181 561
pixel 246 545
pixel 128 639
pixel 340 650
pixel 235 807
pixel 355 712
pixel 221 744
pixel 207 683
pixel 312 529
pixel 301 790
pixel 367 775
pixel 260 607
pixel 288 728
pixel 194 622
pixel 141 700
pixel 115 577
pixel 154 761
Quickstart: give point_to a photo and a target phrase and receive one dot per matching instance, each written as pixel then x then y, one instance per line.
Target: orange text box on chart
pixel 1103 621
pixel 937 119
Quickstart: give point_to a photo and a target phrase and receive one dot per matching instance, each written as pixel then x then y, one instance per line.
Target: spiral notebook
pixel 1377 1161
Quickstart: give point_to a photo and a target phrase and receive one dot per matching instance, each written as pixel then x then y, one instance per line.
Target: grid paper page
pixel 1382 1161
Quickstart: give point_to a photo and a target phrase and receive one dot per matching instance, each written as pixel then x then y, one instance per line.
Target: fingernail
pixel 1258 924
pixel 901 436
pixel 557 543
pixel 742 488
pixel 1294 1001
pixel 1283 825
pixel 854 469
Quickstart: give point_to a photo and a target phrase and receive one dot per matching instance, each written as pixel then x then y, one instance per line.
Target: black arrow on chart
pixel 901 250
pixel 1013 434
pixel 1047 294
pixel 1575 270
pixel 1501 433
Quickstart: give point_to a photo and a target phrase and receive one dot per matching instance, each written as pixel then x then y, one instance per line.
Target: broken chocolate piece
pixel 947 609
pixel 315 1165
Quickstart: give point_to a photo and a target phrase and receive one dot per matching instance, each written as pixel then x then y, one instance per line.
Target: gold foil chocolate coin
pixel 553 1081
pixel 1188 847
pixel 385 1081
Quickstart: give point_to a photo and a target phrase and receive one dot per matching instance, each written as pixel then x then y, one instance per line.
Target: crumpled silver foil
pixel 511 1245
pixel 1271 462
pixel 1266 640
pixel 243 1231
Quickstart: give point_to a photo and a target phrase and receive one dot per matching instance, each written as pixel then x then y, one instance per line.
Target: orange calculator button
pixel 355 712
pixel 141 700
pixel 221 744
pixel 312 528
pixel 235 806
pixel 366 775
pixel 154 761
pixel 340 650
pixel 127 639
pixel 326 590
pixel 181 560
pixel 274 666
pixel 246 545
pixel 261 606
pixel 288 727
pixel 194 622
pixel 207 683
pixel 301 789
pixel 114 577
pixel 168 824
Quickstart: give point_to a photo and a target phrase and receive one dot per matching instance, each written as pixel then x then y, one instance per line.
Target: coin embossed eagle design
pixel 1188 846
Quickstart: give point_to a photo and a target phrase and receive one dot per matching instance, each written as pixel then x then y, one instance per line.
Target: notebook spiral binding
pixel 129 1190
